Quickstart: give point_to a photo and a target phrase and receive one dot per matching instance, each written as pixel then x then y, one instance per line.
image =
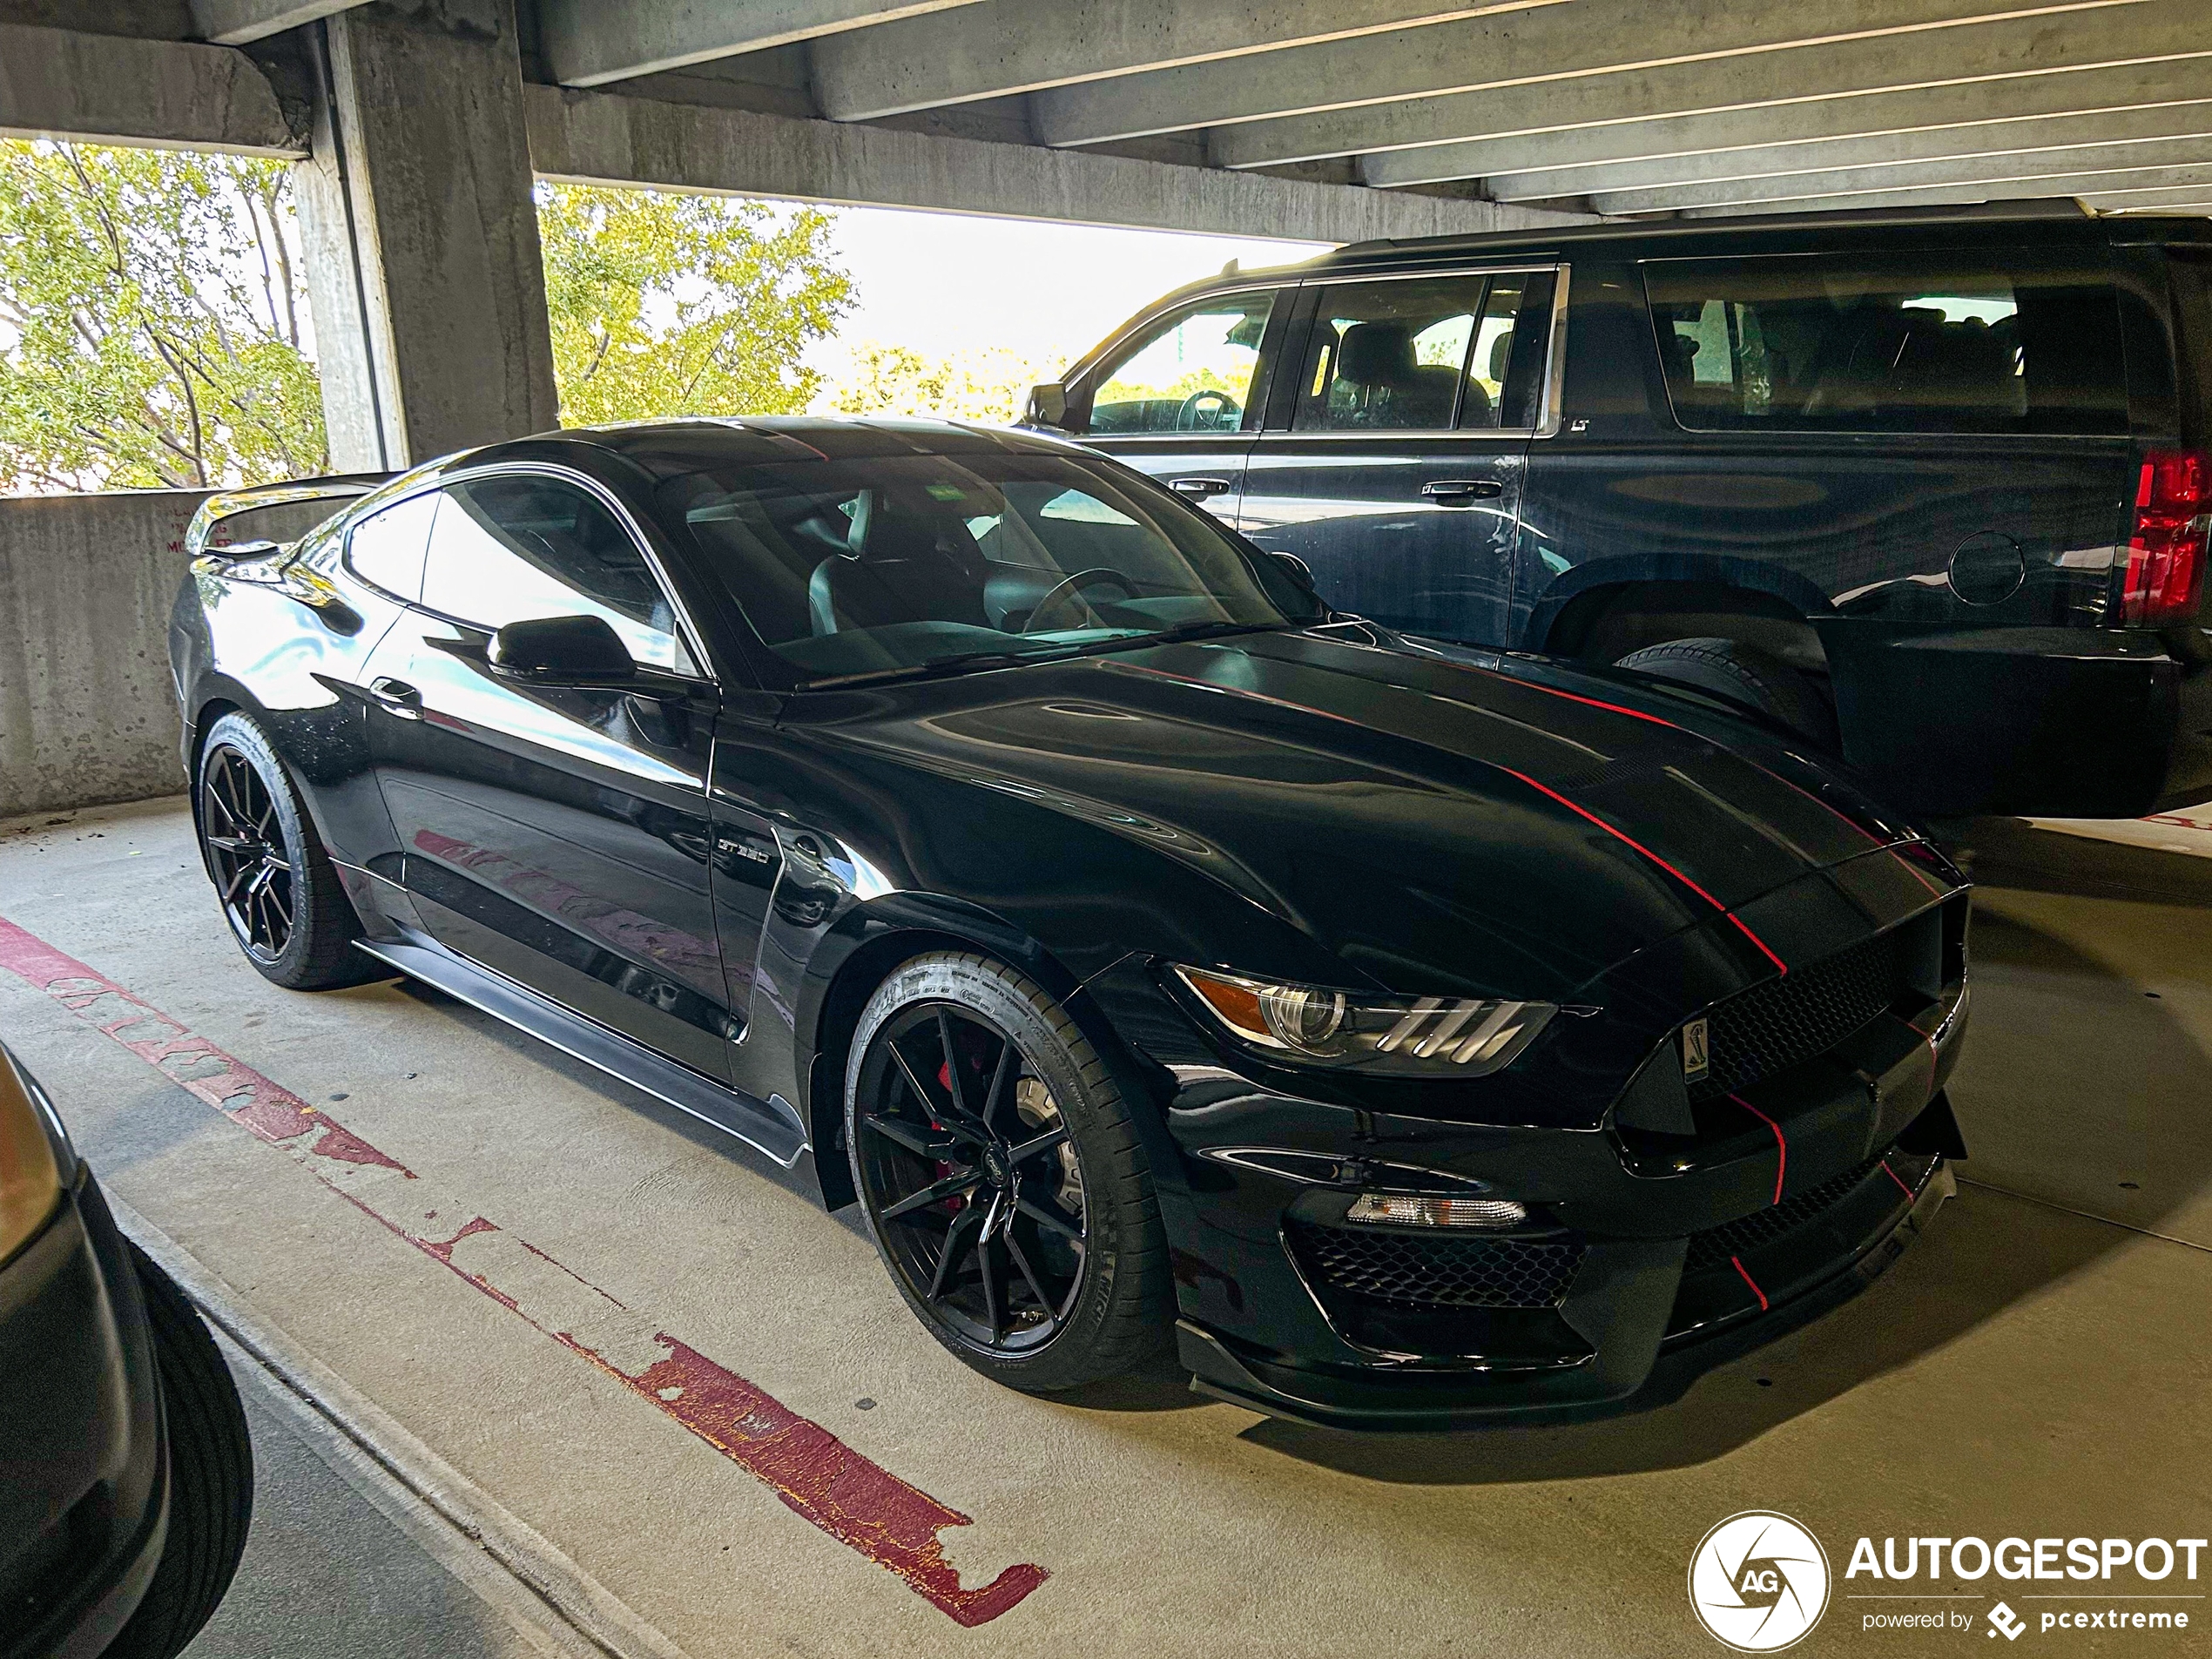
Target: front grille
pixel 1418 1270
pixel 1715 1245
pixel 1808 1011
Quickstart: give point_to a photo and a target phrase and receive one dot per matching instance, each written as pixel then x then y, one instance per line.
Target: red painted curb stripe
pixel 818 1476
pixel 1782 1145
pixel 1736 1262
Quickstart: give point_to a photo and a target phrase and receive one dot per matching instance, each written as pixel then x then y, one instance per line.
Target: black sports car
pixel 1420 1033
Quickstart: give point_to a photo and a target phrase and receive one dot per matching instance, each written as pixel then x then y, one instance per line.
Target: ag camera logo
pixel 1759 1582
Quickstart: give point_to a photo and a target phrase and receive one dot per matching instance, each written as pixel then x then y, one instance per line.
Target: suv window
pixel 510 548
pixel 1886 343
pixel 1423 355
pixel 386 548
pixel 1192 373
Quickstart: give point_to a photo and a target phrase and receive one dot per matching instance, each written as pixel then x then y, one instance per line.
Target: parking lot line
pixel 813 1473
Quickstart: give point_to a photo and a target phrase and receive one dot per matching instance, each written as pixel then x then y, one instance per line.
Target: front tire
pixel 1001 1178
pixel 277 887
pixel 210 1476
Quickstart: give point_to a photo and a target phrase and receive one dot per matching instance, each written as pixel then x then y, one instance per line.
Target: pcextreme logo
pixel 1759 1582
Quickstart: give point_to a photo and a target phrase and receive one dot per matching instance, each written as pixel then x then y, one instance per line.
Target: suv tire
pixel 1745 674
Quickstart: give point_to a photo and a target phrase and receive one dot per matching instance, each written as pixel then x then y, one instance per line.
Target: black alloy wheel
pixel 254 876
pixel 1000 1178
pixel 278 890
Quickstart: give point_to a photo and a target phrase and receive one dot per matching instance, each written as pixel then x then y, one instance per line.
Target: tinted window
pixel 386 548
pixel 1891 343
pixel 1193 373
pixel 1416 355
pixel 509 549
pixel 893 562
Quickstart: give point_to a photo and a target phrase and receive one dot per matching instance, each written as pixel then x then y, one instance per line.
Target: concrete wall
pixel 87 713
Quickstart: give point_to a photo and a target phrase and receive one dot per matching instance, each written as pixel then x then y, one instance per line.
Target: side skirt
pixel 770 1127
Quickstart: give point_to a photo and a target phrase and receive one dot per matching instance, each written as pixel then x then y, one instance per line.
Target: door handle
pixel 1462 490
pixel 1199 488
pixel 398 696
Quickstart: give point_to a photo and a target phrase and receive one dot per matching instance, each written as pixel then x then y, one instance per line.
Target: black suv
pixel 1931 485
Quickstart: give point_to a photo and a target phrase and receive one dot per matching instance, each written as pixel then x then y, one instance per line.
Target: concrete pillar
pixel 423 267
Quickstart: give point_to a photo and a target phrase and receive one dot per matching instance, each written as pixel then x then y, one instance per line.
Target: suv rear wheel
pixel 1745 674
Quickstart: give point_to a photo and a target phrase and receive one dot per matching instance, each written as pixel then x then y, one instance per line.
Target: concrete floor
pixel 2036 1367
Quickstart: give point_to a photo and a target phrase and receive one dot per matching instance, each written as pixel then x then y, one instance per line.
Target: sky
pixel 945 283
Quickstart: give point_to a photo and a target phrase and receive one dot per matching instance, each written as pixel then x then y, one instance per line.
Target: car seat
pixel 897 567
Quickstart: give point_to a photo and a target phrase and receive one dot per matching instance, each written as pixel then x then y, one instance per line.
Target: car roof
pixel 670 449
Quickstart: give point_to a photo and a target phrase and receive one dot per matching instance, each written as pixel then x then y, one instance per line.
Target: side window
pixel 1193 373
pixel 1886 343
pixel 386 548
pixel 1419 355
pixel 507 548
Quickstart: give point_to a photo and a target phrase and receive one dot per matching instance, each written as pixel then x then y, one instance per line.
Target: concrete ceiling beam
pixel 1007 46
pixel 1774 78
pixel 109 89
pixel 589 43
pixel 1485 54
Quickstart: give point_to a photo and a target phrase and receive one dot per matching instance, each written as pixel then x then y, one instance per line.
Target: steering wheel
pixel 1072 586
pixel 1186 418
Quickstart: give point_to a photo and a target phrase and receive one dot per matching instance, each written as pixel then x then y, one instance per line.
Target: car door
pixel 1179 398
pixel 1393 458
pixel 557 835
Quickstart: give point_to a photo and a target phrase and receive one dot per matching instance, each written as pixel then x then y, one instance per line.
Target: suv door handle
pixel 398 696
pixel 1200 488
pixel 1451 490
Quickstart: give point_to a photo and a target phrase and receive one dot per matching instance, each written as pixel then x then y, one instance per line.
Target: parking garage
pixel 582 1374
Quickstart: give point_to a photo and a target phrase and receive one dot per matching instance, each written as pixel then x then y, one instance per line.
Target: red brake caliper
pixel 953 1205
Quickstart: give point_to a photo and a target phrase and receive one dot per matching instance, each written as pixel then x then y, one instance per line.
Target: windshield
pixel 899 563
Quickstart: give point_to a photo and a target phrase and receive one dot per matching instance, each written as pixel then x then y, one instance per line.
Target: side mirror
pixel 1301 572
pixel 1047 406
pixel 562 651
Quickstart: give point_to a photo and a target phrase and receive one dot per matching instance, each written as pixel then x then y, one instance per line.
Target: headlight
pixel 1431 1036
pixel 31 1181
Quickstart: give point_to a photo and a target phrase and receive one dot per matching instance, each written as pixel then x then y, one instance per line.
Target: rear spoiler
pixel 342 487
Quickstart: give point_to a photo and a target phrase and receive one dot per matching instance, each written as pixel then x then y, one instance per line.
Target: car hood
pixel 1442 820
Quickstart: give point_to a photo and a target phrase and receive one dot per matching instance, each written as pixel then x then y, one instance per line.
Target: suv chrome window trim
pixel 1104 357
pixel 687 635
pixel 1555 368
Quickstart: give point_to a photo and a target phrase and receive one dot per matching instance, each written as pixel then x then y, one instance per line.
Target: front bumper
pixel 1711 1314
pixel 1646 1252
pixel 83 1459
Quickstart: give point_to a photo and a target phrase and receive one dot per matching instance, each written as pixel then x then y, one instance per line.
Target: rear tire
pixel 210 1476
pixel 1013 1206
pixel 276 884
pixel 1745 674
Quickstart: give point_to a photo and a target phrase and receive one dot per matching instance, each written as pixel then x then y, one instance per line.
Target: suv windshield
pixel 887 564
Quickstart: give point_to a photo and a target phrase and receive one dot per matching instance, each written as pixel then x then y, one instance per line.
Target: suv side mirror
pixel 1047 406
pixel 562 651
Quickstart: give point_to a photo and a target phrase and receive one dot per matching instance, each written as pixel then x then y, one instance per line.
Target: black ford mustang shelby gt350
pixel 1419 1035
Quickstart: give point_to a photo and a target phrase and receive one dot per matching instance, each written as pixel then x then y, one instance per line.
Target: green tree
pixel 153 318
pixel 989 386
pixel 683 305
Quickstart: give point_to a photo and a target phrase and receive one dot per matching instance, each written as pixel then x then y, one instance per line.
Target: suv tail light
pixel 2165 553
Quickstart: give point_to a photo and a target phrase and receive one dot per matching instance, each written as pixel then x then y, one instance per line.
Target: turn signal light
pixel 1416 1209
pixel 2165 553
